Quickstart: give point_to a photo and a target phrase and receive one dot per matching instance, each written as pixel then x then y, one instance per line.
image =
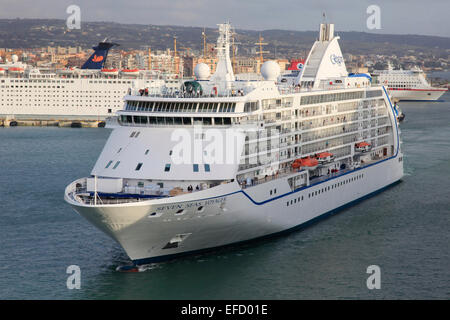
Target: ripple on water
pixel 404 230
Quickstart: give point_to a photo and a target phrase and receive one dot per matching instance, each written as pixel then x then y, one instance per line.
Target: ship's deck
pixel 80 194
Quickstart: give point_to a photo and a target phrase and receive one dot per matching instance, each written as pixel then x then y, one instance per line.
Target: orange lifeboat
pixel 363 146
pixel 110 71
pixel 131 72
pixel 15 69
pixel 307 163
pixel 324 157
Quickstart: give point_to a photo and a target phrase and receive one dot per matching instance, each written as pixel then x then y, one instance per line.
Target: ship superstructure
pixel 91 92
pixel 229 160
pixel 408 84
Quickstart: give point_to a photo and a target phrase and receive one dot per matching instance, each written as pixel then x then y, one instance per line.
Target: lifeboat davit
pixel 131 72
pixel 363 147
pixel 113 72
pixel 306 163
pixel 324 157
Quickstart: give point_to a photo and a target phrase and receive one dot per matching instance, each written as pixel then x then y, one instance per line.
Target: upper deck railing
pixel 186 95
pixel 235 93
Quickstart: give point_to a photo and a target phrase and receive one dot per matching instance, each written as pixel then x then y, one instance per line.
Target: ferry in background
pixel 408 84
pixel 91 92
pixel 229 161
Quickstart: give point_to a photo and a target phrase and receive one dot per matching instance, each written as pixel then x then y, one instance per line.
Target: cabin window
pixel 139 166
pixel 178 121
pixel 116 165
pixel 109 163
pixel 187 121
pixel 147 151
pixel 195 167
pixel 207 168
pixel 167 167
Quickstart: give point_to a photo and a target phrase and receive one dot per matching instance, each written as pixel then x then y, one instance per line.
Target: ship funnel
pixel 98 58
pixel 326 32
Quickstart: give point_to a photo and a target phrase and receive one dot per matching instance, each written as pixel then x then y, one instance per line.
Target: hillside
pixel 30 33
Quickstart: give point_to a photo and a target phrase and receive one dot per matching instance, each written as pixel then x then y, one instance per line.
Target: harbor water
pixel 403 230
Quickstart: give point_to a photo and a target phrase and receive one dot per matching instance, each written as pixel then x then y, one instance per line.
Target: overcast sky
pixel 397 16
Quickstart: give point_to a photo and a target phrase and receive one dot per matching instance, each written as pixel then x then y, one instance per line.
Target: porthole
pixel 180 212
pixel 155 214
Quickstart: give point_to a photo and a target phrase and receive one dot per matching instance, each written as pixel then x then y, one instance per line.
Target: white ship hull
pixel 64 101
pixel 147 202
pixel 417 94
pixel 230 215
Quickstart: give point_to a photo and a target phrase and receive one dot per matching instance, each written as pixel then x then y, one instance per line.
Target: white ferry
pixel 162 195
pixel 91 92
pixel 408 84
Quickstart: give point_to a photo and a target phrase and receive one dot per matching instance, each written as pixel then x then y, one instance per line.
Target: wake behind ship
pixel 227 161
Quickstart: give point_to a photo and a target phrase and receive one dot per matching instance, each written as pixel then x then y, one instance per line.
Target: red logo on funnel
pixel 97 58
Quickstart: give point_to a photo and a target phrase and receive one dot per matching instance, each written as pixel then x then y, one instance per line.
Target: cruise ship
pixel 91 92
pixel 408 84
pixel 228 161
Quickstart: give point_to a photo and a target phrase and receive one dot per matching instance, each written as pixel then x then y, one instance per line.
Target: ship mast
pixel 204 42
pixel 176 61
pixel 149 58
pixel 224 70
pixel 233 47
pixel 261 44
pixel 174 46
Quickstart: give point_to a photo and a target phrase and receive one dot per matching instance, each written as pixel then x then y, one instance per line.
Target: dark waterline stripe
pixel 275 234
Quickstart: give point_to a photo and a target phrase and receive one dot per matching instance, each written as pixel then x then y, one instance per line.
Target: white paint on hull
pixel 425 95
pixel 230 216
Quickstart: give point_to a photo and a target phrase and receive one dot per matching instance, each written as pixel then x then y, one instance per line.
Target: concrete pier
pixel 9 121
